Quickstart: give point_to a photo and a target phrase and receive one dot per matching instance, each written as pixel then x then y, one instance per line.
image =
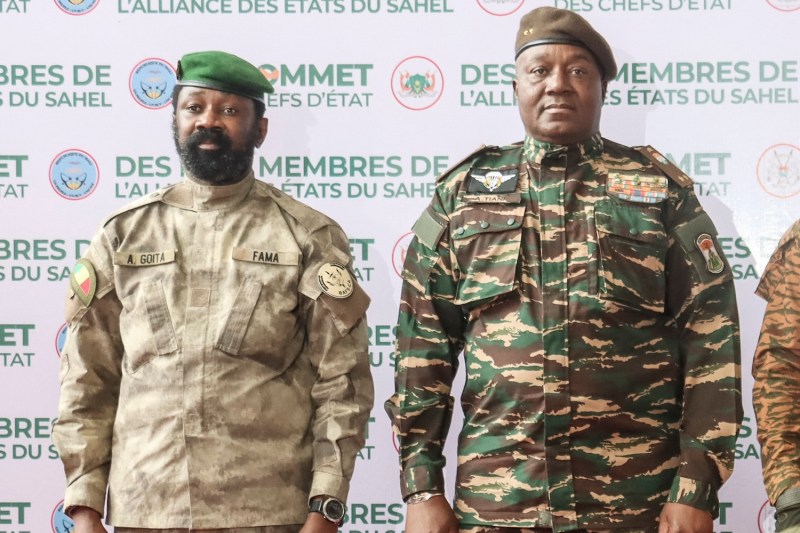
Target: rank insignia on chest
pixel 492 181
pixel 83 281
pixel 635 187
pixel 714 262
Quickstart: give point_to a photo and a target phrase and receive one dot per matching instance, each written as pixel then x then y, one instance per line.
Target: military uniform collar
pixel 536 151
pixel 191 194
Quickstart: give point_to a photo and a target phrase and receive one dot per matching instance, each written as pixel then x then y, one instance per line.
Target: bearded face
pixel 216 134
pixel 219 166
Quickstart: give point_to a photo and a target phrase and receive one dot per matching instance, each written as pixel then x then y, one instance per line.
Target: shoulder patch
pixel 665 165
pixel 83 281
pixel 335 280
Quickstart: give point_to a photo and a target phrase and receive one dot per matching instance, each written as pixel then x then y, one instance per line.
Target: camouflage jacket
pixel 599 330
pixel 208 380
pixel 776 367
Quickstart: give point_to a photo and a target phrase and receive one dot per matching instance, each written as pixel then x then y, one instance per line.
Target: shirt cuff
pixel 694 493
pixel 89 490
pixel 789 498
pixel 329 484
pixel 421 478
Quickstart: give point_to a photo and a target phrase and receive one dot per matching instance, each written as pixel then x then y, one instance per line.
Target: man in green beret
pixel 584 285
pixel 215 375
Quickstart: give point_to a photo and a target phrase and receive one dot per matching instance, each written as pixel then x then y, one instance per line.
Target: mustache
pixel 213 136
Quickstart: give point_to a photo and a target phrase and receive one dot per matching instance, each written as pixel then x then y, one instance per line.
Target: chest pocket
pixel 486 241
pixel 146 325
pixel 262 323
pixel 633 247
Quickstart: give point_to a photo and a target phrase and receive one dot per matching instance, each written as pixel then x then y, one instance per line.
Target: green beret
pixel 550 25
pixel 222 72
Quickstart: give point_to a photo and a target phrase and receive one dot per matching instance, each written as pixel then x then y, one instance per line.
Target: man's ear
pixel 263 126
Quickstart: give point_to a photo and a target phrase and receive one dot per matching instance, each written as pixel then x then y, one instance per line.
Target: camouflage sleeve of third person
pixel 776 368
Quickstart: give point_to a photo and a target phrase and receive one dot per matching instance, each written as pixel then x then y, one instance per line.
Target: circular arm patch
pixel 335 280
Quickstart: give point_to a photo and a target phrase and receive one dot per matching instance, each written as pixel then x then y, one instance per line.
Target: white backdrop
pixel 85 116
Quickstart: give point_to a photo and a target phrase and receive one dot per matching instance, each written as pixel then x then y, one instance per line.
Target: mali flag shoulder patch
pixel 84 281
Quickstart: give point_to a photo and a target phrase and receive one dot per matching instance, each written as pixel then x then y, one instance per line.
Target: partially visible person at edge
pixel 585 285
pixel 776 369
pixel 215 375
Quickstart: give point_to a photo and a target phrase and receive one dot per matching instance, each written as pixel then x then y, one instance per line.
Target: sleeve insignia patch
pixel 646 189
pixel 705 244
pixel 484 180
pixel 84 281
pixel 335 280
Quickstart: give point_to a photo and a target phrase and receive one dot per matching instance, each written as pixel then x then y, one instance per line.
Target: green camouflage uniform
pixel 600 340
pixel 776 369
pixel 208 378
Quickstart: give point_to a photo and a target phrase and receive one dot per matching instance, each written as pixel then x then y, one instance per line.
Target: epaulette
pixel 140 202
pixel 306 216
pixel 475 153
pixel 665 165
pixel 792 234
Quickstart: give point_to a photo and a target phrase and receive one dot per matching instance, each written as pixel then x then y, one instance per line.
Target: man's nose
pixel 558 81
pixel 208 119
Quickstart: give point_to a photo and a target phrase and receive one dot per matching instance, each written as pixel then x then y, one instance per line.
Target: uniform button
pixel 460 231
pixel 633 231
pixel 484 224
pixel 510 222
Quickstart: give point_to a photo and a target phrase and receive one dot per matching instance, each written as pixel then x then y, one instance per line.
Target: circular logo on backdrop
pixel 500 8
pixel 59 521
pixel 61 339
pixel 778 170
pixel 766 518
pixel 74 174
pixel 399 252
pixel 151 83
pixel 785 5
pixel 76 7
pixel 417 83
pixel 271 72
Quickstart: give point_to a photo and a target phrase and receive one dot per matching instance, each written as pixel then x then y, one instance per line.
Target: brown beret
pixel 550 25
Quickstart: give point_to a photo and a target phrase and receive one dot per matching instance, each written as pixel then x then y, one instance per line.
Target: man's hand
pixel 432 516
pixel 316 523
pixel 87 520
pixel 680 518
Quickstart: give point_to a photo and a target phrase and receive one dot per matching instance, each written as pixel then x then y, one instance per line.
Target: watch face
pixel 334 509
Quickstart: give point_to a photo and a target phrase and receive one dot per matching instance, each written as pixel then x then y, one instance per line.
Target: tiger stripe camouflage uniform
pixel 599 330
pixel 776 369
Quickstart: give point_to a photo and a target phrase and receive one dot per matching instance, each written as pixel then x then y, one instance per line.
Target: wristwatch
pixel 331 508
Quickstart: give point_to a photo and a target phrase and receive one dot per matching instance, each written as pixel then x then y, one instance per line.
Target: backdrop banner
pixel 373 99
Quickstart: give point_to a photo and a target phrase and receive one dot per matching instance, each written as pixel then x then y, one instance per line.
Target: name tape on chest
pixel 144 259
pixel 635 187
pixel 267 257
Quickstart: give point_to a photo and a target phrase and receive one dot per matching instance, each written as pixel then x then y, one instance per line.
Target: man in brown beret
pixel 215 375
pixel 584 284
